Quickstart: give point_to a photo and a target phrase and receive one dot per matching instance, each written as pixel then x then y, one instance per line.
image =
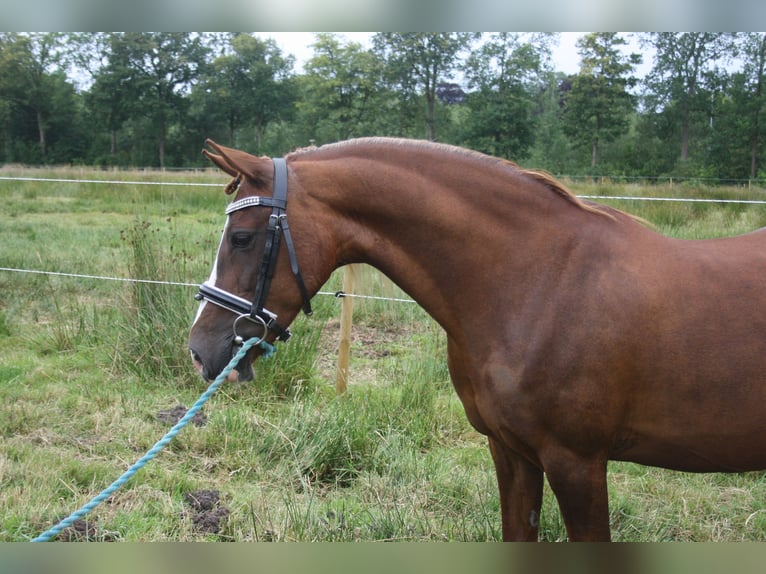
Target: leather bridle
pixel 254 311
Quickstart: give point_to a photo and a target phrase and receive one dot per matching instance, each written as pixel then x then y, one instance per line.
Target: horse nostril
pixel 197 361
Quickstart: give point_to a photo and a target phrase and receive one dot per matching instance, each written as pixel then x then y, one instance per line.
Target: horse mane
pixel 556 186
pixel 541 177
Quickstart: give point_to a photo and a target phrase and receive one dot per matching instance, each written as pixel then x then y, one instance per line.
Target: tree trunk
pixel 7 140
pixel 430 118
pixel 594 147
pixel 685 134
pixel 259 135
pixel 594 154
pixel 162 147
pixel 429 84
pixel 41 132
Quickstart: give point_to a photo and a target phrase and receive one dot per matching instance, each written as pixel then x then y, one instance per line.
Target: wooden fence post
pixel 346 314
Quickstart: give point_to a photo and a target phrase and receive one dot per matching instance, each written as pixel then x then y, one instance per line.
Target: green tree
pixel 752 50
pixel 507 74
pixel 598 105
pixel 341 91
pixel 30 72
pixel 164 66
pixel 727 149
pixel 552 149
pixel 249 86
pixel 678 84
pixel 117 85
pixel 417 62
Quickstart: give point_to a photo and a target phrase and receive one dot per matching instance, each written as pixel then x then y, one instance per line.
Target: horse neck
pixel 441 230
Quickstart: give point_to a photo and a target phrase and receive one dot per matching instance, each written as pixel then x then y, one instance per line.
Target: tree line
pixel 150 99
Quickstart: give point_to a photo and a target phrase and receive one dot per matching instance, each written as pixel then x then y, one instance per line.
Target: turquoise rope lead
pixel 162 443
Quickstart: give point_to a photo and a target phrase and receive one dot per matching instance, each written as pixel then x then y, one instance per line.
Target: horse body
pixel 575 334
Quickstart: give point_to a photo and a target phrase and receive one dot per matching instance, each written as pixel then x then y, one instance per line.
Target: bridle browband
pixel 254 310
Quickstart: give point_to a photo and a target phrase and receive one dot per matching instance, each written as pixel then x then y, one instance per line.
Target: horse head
pixel 251 291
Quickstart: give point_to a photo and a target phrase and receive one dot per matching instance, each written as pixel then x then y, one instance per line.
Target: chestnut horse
pixel 576 334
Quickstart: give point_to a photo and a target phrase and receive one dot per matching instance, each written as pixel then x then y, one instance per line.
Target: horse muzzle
pixel 242 372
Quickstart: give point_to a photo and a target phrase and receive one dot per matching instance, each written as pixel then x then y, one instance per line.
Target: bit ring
pixel 238 339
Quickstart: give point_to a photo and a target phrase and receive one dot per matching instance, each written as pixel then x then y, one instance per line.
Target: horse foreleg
pixel 521 493
pixel 580 488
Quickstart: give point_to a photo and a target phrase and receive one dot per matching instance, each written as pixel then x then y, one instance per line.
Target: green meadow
pixel 91 371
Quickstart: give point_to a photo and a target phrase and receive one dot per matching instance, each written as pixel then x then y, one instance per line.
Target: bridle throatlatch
pixel 254 311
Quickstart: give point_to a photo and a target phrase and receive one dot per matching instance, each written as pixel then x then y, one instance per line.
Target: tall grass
pixel 86 366
pixel 156 317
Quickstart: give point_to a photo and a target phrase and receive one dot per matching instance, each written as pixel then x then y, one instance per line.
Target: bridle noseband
pixel 254 311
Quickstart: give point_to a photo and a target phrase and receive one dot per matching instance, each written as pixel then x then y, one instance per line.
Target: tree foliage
pixel 29 83
pixel 247 87
pixel 417 62
pixel 598 106
pixel 150 99
pixel 507 74
pixel 753 77
pixel 342 91
pixel 684 73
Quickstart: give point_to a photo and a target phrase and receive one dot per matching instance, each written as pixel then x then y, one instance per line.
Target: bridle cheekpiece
pixel 254 311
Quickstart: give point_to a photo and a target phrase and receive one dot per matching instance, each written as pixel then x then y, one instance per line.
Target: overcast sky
pixel 565 55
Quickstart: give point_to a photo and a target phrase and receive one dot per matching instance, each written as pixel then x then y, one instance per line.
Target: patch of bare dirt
pixel 207 514
pixel 172 416
pixel 84 530
pixel 368 344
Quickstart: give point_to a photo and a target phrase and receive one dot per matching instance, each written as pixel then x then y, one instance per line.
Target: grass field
pixel 92 370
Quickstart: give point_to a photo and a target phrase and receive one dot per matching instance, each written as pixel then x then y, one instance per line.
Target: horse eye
pixel 242 239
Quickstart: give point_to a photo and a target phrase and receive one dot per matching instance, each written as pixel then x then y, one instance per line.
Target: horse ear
pixel 220 162
pixel 236 162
